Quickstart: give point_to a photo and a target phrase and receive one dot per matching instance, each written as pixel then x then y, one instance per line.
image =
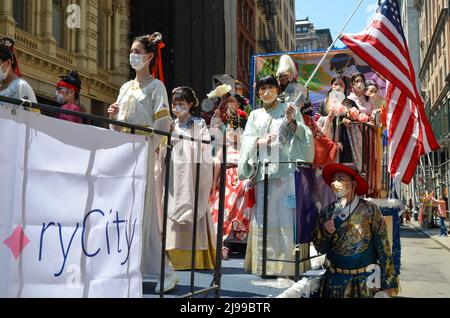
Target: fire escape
pixel 270 11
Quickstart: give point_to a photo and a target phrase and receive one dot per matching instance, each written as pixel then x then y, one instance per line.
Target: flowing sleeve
pixel 325 126
pixel 26 92
pixel 248 156
pixel 303 144
pixel 206 170
pixel 216 122
pixel 321 239
pixel 161 112
pixel 123 90
pixel 379 229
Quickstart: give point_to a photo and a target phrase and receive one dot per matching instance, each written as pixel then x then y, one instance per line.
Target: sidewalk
pixel 432 233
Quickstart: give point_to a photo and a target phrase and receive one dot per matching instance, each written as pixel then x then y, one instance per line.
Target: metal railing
pixel 216 283
pixel 298 261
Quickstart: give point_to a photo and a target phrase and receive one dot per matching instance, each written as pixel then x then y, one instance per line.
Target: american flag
pixel 382 45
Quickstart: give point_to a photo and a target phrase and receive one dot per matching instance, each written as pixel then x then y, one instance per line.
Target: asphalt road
pixel 425 266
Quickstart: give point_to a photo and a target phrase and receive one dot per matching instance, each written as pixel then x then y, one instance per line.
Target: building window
pixel 445 66
pixel 58 17
pixel 19 13
pixel 439 48
pixel 252 22
pixel 444 116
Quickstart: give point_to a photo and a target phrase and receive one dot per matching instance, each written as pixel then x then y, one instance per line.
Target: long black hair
pixel 7 51
pixel 346 81
pixel 361 75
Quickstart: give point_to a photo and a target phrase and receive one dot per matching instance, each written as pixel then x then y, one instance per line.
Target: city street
pixel 425 264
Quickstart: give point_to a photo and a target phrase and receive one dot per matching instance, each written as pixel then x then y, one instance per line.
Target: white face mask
pixel 269 96
pixel 137 61
pixel 60 99
pixel 359 87
pixel 181 110
pixel 340 190
pixel 3 74
pixel 339 89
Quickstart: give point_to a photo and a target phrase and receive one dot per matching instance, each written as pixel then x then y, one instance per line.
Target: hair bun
pixel 155 38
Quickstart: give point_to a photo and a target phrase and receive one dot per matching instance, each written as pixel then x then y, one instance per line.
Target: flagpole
pixel 327 52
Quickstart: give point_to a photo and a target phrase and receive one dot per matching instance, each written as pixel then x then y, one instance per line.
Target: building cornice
pixel 434 39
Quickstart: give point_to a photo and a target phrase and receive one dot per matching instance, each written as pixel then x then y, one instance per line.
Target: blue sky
pixel 333 14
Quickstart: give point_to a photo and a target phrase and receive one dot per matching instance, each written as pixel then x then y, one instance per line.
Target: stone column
pixel 7 23
pixel 88 33
pixel 48 39
pixel 36 26
pixel 118 10
pixel 109 37
pixel 124 40
pixel 6 8
pixel 47 18
pixel 81 33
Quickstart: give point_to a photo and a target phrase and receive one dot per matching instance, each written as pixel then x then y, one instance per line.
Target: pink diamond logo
pixel 17 241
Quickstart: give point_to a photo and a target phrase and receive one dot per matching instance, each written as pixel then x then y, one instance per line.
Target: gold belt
pixel 127 130
pixel 356 271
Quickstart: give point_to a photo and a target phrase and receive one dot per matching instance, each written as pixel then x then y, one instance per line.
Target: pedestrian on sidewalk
pixel 442 213
pixel 409 210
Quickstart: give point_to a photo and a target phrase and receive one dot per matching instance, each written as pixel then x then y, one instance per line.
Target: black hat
pixel 71 81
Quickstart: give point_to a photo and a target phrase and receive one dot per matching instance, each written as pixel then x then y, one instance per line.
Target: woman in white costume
pixel 11 83
pixel 143 101
pixel 185 156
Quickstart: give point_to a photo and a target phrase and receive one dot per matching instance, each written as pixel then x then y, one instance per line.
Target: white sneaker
pixel 170 282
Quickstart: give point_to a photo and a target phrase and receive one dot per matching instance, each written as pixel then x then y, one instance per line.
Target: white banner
pixel 71 206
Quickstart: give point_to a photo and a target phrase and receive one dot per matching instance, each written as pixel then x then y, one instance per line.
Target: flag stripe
pixel 399 117
pixel 382 26
pixel 395 110
pixel 381 47
pixel 398 147
pixel 392 29
pixel 383 35
pixel 378 62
